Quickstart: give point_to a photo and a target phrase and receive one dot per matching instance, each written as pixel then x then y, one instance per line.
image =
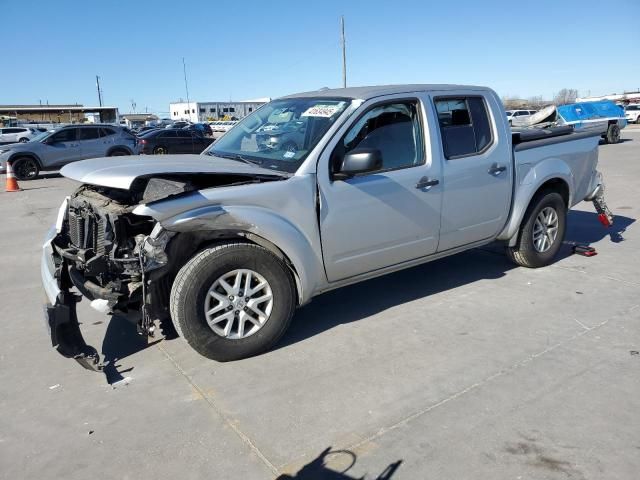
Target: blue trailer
pixel 603 116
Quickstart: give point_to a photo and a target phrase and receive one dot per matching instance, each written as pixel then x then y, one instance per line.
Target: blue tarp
pixel 577 113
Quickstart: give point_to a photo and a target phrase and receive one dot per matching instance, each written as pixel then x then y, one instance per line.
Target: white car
pixel 632 113
pixel 226 126
pixel 216 126
pixel 17 134
pixel 519 114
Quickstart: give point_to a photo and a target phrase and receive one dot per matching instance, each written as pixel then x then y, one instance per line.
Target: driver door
pixel 63 147
pixel 386 217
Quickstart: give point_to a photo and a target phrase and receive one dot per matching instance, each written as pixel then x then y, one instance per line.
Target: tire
pixel 23 140
pixel 160 151
pixel 525 253
pixel 613 134
pixel 118 153
pixel 199 276
pixel 25 168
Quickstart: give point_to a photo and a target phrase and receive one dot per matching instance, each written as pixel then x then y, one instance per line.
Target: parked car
pixel 632 113
pixel 202 128
pixel 228 243
pixel 17 134
pixel 173 140
pixel 52 150
pixel 179 124
pixel 518 114
pixel 227 125
pixel 142 130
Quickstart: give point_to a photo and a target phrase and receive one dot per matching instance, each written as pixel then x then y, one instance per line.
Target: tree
pixel 565 96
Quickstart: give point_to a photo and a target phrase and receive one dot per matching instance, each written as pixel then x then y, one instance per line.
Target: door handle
pixel 496 169
pixel 426 182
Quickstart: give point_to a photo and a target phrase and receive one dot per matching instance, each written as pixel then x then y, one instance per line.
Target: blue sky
pixel 244 49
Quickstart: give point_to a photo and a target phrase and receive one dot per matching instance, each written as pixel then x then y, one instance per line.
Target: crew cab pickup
pixel 228 243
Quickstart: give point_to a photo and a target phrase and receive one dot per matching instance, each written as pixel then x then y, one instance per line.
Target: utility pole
pixel 344 53
pixel 99 91
pixel 186 86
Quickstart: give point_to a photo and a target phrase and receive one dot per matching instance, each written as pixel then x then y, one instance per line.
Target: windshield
pixel 280 134
pixel 41 136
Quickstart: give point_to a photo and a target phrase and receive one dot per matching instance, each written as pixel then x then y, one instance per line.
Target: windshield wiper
pixel 233 156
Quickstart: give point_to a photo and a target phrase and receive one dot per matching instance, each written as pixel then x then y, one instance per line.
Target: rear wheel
pixel 25 168
pixel 541 232
pixel 23 140
pixel 613 133
pixel 232 301
pixel 160 151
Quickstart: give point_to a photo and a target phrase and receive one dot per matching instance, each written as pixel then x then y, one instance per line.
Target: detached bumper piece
pixel 64 330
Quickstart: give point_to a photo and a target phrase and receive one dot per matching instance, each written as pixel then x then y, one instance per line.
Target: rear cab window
pixel 465 128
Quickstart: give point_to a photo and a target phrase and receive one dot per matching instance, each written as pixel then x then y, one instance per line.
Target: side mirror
pixel 359 160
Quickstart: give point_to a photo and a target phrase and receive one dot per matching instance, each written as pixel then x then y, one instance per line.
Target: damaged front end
pixel 107 253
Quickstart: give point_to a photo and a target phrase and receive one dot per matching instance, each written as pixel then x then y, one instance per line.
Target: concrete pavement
pixel 467 367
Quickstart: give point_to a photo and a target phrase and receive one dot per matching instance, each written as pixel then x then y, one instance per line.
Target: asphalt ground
pixel 464 368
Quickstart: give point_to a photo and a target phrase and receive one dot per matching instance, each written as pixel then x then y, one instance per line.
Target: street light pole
pixel 344 53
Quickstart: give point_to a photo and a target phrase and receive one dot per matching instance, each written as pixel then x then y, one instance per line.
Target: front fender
pixel 265 224
pixel 531 177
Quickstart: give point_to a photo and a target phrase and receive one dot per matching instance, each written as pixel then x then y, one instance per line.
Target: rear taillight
pixel 142 141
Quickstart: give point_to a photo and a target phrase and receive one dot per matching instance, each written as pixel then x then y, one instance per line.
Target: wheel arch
pixel 121 148
pixel 32 155
pixel 558 178
pixel 215 224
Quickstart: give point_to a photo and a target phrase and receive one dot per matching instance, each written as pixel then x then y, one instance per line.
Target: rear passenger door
pixel 90 142
pixel 185 142
pixel 477 169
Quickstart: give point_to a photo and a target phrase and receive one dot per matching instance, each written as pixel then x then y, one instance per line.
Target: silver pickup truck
pixel 228 243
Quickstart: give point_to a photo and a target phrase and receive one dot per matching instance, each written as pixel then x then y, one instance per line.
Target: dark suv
pixel 52 150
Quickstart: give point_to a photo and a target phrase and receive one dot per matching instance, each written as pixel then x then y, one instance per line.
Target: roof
pixel 368 92
pixel 139 116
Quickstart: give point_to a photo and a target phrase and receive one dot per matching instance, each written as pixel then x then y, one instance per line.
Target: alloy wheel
pixel 545 229
pixel 238 304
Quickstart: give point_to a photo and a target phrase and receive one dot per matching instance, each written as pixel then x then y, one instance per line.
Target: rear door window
pixel 464 126
pixel 105 132
pixel 89 133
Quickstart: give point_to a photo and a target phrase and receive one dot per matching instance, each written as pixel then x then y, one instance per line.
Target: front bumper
pixel 60 315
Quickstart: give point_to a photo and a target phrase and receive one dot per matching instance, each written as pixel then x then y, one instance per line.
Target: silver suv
pixel 52 150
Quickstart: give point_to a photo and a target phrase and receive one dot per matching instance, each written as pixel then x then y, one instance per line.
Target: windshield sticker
pixel 289 154
pixel 322 110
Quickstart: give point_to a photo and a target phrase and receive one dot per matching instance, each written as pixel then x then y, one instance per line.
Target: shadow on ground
pixel 120 341
pixel 368 298
pixel 334 465
pixel 362 300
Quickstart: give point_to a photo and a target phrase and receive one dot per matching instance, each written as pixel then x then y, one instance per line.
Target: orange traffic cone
pixel 12 183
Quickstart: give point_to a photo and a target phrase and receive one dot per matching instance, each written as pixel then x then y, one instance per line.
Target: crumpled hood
pixel 120 172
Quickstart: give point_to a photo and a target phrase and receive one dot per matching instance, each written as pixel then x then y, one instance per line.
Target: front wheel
pixel 25 168
pixel 232 301
pixel 541 232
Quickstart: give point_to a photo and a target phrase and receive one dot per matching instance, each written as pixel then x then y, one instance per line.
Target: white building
pixel 207 111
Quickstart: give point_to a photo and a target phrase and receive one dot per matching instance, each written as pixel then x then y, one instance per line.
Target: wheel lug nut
pixel 229 307
pixel 230 297
pixel 246 299
pixel 240 293
pixel 237 312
